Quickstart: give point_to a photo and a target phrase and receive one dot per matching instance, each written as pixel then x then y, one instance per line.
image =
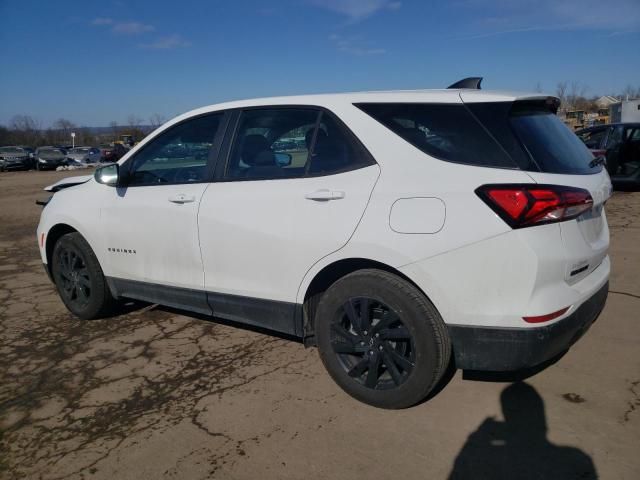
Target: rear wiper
pixel 601 160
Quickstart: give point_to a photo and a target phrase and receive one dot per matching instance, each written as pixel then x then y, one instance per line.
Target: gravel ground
pixel 156 393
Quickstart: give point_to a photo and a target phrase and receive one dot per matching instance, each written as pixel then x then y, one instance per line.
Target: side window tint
pixel 334 150
pixel 178 155
pixel 272 143
pixel 594 138
pixel 615 137
pixel 445 131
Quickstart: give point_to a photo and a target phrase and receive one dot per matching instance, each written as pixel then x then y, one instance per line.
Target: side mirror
pixel 107 175
pixel 283 159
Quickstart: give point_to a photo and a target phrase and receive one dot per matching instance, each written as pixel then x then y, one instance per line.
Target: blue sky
pixel 96 62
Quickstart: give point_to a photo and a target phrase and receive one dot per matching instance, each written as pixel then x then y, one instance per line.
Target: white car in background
pixel 409 228
pixel 84 155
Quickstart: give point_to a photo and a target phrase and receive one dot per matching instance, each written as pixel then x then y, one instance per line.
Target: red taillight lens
pixel 546 318
pixel 532 204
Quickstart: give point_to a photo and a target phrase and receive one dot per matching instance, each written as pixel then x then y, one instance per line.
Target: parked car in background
pixel 85 154
pixel 414 226
pixel 31 152
pixel 619 143
pixel 112 153
pixel 15 158
pixel 49 158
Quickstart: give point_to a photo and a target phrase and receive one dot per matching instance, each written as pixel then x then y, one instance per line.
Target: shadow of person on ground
pixel 518 447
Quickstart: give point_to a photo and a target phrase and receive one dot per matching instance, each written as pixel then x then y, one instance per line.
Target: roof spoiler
pixel 472 83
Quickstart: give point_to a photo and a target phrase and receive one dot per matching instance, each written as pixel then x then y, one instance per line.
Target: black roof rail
pixel 470 82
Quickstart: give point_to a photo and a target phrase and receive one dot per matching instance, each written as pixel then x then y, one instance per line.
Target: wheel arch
pixel 331 273
pixel 53 235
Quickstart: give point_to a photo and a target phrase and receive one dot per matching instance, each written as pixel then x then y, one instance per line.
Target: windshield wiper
pixel 601 160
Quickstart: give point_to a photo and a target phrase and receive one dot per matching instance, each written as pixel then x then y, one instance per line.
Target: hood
pixel 68 182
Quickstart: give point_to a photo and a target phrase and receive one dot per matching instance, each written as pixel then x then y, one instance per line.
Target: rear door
pixel 293 190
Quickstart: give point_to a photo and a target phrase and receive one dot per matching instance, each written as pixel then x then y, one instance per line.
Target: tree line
pixel 28 131
pixel 573 96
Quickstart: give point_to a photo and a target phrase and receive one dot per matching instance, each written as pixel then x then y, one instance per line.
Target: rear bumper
pixel 509 349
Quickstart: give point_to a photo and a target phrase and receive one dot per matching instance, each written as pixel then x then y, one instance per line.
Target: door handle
pixel 324 195
pixel 182 198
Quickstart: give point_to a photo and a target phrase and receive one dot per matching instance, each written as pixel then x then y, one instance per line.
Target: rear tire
pixel 79 278
pixel 381 339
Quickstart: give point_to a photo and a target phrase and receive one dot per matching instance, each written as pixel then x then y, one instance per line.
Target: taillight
pixel 523 205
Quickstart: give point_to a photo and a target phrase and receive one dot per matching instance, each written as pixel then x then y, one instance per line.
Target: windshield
pixel 51 152
pixel 12 150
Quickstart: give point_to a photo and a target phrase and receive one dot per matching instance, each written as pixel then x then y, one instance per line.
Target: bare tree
pixel 630 93
pixel 115 130
pixel 576 94
pixel 134 122
pixel 561 93
pixel 26 129
pixel 538 87
pixel 156 120
pixel 63 128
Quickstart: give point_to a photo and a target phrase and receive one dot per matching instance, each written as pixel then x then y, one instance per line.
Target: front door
pixel 151 224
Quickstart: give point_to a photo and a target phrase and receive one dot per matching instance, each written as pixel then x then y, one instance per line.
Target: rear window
pixel 445 131
pixel 524 135
pixel 535 137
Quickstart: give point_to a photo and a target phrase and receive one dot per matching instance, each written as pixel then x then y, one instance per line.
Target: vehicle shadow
pixel 518 447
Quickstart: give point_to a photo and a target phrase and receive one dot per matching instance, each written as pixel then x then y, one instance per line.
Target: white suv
pixel 394 230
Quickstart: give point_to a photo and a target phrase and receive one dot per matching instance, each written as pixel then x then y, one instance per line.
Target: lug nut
pixel 377 334
pixel 380 348
pixel 365 332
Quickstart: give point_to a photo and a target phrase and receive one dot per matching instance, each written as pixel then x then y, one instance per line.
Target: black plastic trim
pixel 510 349
pixel 283 317
pixel 177 297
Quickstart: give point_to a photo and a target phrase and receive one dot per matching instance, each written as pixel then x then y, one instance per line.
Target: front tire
pixel 79 278
pixel 381 339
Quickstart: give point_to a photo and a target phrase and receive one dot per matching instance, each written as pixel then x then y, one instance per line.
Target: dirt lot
pixel 157 394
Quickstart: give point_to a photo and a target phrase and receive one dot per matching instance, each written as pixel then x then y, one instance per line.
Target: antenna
pixel 472 83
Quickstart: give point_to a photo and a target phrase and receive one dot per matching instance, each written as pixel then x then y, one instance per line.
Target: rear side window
pixel 292 142
pixel 445 131
pixel 524 135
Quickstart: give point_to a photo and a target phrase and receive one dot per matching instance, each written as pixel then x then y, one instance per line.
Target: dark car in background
pixel 15 158
pixel 50 158
pixel 112 153
pixel 619 143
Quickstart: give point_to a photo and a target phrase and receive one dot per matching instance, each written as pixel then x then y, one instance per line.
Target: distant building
pixel 606 101
pixel 626 111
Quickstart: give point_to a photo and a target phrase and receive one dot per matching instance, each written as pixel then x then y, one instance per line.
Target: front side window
pixel 179 155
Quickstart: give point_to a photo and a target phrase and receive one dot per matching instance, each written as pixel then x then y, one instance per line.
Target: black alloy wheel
pixel 73 274
pixel 372 344
pixel 79 278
